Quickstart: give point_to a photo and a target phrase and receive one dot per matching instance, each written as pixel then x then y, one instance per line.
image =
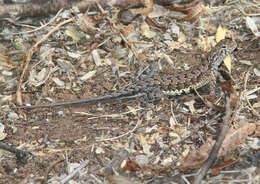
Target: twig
pixel 29 56
pixel 114 138
pixel 119 116
pixel 73 173
pixel 214 152
pixel 21 155
pixel 9 62
pixel 246 14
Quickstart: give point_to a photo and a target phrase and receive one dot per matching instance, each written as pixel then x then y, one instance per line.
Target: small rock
pixel 7 73
pixel 13 115
pixel 60 113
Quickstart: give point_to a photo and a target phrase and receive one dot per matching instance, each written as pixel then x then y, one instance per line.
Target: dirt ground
pixel 152 140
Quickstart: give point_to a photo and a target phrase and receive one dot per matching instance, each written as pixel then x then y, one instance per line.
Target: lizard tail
pixel 117 96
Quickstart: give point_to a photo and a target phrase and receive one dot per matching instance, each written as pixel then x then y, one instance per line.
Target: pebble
pixel 13 115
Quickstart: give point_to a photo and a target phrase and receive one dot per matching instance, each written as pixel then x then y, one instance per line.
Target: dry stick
pixel 214 152
pixel 73 173
pixel 246 14
pixel 120 115
pixel 9 63
pixel 29 56
pixel 125 134
pixel 20 154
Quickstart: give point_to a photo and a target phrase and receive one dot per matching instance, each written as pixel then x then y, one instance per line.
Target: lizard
pixel 153 86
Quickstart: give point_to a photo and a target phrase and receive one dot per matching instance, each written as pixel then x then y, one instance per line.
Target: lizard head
pixel 227 46
pixel 221 51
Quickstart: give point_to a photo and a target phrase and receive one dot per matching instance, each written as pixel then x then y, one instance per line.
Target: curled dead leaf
pixel 192 10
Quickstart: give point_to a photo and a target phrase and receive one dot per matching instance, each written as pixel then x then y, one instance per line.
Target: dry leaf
pixel 2 133
pixel 96 57
pixel 252 26
pixel 232 139
pixel 74 34
pixel 236 137
pixel 88 75
pixel 145 29
pixel 131 166
pixel 148 7
pixel 145 145
pixel 257 72
pixel 221 33
pixel 58 81
pixel 192 11
pixel 256 105
pixel 118 179
pixel 197 157
pixel 126 30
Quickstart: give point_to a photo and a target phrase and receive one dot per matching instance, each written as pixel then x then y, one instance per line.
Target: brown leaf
pixel 148 7
pixel 235 137
pixel 197 157
pixel 232 139
pixel 131 166
pixel 185 9
pixel 192 11
pixel 126 30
